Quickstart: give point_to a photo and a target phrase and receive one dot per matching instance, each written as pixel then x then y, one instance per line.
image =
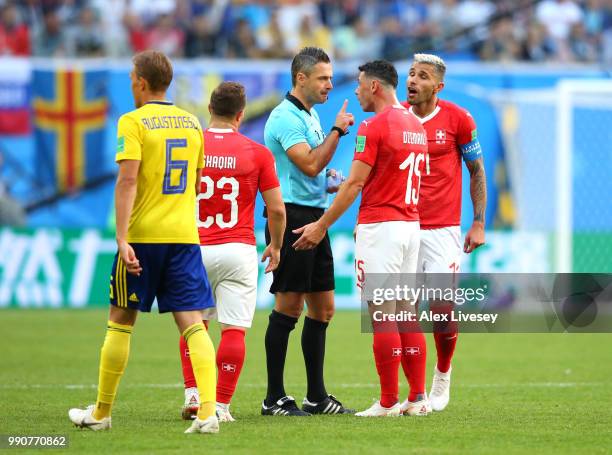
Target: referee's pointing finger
pixel 344 105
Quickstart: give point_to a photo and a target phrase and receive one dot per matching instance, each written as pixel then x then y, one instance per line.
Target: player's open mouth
pixel 412 92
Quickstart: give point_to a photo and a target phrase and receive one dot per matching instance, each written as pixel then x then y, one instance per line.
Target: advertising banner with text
pixel 70 268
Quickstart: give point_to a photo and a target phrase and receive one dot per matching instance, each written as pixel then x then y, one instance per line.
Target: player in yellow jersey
pixel 160 152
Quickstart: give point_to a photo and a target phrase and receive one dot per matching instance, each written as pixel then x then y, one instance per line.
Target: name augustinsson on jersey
pixel 169 121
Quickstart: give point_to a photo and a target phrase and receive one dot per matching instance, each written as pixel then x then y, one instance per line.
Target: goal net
pixel 559 162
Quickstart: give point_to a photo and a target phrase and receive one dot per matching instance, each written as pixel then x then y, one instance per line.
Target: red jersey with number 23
pixel 448 127
pixel 394 143
pixel 236 168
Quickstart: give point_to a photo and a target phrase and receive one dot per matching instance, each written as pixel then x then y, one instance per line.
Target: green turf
pixel 542 393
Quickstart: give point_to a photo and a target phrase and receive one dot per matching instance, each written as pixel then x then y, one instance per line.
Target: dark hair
pixel 227 99
pixel 381 70
pixel 155 68
pixel 305 60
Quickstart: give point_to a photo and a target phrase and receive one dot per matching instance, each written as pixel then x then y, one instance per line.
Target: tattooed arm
pixel 478 192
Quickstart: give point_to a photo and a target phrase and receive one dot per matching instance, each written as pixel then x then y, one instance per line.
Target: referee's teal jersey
pixel 291 123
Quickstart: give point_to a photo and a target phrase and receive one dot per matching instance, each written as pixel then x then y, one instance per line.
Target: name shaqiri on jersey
pixel 394 143
pixel 236 168
pixel 448 127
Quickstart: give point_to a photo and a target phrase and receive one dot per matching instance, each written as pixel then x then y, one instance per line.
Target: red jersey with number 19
pixel 394 143
pixel 236 168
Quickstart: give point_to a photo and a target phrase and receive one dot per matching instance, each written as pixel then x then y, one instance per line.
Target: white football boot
pixel 83 418
pixel 192 404
pixel 440 389
pixel 223 413
pixel 208 425
pixel 376 410
pixel 418 408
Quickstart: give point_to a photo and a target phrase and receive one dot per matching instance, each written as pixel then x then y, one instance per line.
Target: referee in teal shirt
pixel 302 151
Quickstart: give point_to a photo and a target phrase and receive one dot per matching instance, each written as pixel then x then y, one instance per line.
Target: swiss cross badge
pixel 229 367
pixel 440 136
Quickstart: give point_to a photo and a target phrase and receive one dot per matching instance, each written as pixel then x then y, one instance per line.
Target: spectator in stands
pixel 501 44
pixel 315 35
pixel 86 38
pixel 50 40
pixel 166 36
pixel 582 49
pixel 256 13
pixel 537 46
pixel 356 41
pixel 201 41
pixel 149 11
pixel 594 15
pixel 396 42
pixel 290 16
pixel 67 10
pixel 551 30
pixel 270 39
pixel 443 19
pixel 558 16
pixel 201 7
pixel 111 14
pixel 137 34
pixel 31 13
pixel 471 13
pixel 242 43
pixel 473 17
pixel 338 13
pixel 594 22
pixel 413 21
pixel 14 34
pixel 217 14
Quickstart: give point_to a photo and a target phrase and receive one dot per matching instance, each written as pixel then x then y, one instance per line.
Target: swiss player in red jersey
pixel 236 168
pixel 452 136
pixel 389 161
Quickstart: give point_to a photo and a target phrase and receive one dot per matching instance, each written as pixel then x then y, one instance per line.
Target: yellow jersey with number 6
pixel 169 144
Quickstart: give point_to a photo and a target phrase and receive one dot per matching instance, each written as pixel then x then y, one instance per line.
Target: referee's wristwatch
pixel 339 130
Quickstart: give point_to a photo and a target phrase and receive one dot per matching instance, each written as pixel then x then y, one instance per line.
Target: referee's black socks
pixel 313 347
pixel 277 338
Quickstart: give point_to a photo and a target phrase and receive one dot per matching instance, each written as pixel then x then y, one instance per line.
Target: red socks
pixel 188 376
pixel 445 347
pixel 230 358
pixel 445 335
pixel 414 356
pixel 387 348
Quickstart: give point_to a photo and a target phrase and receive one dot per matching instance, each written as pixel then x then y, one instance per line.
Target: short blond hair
pixel 433 60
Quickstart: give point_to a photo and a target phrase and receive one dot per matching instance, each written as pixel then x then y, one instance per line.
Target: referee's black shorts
pixel 303 271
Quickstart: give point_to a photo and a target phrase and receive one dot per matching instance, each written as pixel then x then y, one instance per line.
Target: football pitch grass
pixel 512 393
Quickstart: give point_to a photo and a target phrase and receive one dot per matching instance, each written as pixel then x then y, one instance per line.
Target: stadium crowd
pixel 501 30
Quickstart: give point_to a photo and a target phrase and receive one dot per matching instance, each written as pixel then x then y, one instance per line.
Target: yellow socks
pixel 113 359
pixel 202 355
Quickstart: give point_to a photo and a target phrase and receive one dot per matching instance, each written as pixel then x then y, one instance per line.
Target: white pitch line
pixel 341 386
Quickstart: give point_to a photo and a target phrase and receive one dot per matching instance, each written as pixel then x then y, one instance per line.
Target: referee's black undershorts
pixel 303 271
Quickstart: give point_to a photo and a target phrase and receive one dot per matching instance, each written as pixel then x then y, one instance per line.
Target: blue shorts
pixel 172 272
